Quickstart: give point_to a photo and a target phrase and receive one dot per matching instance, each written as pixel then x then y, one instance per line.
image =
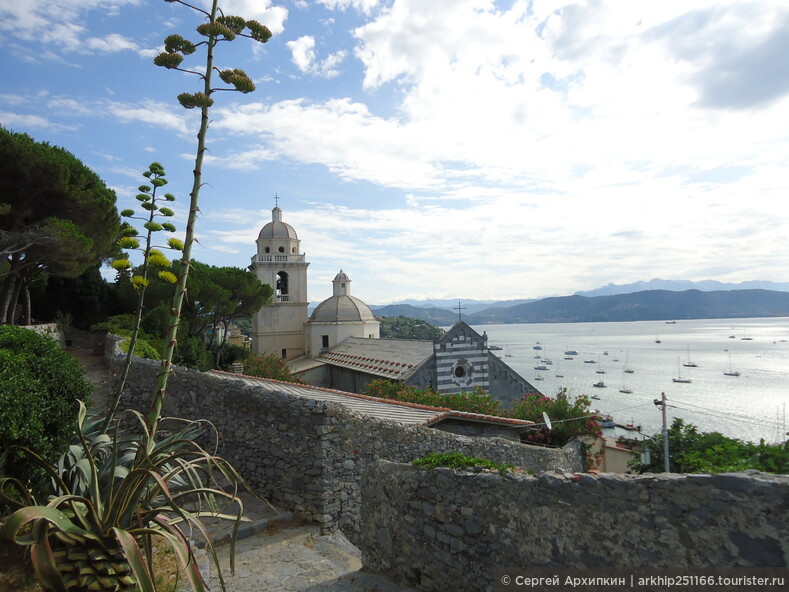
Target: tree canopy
pixel 56 216
pixel 692 451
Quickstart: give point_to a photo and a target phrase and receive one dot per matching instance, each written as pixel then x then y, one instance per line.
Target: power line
pixel 752 421
pixel 733 417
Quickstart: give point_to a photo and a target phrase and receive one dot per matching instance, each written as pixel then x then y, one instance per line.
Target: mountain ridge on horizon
pixel 473 306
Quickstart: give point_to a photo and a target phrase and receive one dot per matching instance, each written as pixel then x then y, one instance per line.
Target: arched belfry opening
pixel 282 286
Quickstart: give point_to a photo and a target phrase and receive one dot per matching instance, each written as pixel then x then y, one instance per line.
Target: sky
pixel 467 149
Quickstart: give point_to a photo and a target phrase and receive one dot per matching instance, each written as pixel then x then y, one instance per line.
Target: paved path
pixel 272 554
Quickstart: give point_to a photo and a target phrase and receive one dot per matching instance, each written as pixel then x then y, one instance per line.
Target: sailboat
pixel 624 388
pixel 679 375
pixel 731 371
pixel 628 370
pixel 690 364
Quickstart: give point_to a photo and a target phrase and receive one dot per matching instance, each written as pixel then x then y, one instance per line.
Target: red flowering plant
pixel 571 418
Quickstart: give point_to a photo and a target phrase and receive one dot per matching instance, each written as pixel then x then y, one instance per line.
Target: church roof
pixel 342 308
pixel 277 228
pixel 389 358
pixel 398 411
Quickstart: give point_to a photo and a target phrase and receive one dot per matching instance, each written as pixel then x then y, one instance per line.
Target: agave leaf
pixel 183 551
pixel 43 514
pixel 45 566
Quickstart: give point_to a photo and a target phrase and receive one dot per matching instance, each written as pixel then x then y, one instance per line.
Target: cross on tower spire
pixel 459 308
pixel 276 200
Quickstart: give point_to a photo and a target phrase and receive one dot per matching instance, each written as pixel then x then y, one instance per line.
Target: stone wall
pixel 442 529
pixel 304 454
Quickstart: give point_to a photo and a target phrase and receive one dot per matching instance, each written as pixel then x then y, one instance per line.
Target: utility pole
pixel 662 404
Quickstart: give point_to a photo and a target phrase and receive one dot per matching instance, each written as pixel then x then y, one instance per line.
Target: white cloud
pixel 365 6
pixel 58 22
pixel 15 121
pixel 303 55
pixel 155 113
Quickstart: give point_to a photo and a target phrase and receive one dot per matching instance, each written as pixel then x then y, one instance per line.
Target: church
pixel 339 346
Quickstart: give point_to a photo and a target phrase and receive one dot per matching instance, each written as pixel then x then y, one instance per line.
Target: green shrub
pixel 232 353
pixel 39 388
pixel 477 401
pixel 458 460
pixel 269 366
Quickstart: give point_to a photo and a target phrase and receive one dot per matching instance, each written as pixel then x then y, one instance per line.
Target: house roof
pixel 389 358
pixel 398 411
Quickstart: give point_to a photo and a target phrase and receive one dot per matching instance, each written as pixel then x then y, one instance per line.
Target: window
pixel 324 341
pixel 460 371
pixel 282 283
pixel 282 249
pixel 268 249
pixel 284 353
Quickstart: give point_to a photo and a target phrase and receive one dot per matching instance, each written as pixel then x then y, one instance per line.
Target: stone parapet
pixel 443 529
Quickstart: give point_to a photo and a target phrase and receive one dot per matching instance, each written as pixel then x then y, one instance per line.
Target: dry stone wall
pixel 304 454
pixel 443 529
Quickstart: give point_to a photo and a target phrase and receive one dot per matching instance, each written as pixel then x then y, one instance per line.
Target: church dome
pixel 277 228
pixel 342 307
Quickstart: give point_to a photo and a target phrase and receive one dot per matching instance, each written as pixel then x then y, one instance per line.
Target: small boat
pixel 494 347
pixel 600 371
pixel 538 347
pixel 559 375
pixel 690 364
pixel 590 361
pixel 607 421
pixel 671 322
pixel 541 367
pixel 731 371
pixel 605 353
pixel 595 397
pixel 599 384
pixel 571 352
pixel 568 357
pixel 624 388
pixel 547 361
pixel 679 376
pixel 628 370
pixel 538 378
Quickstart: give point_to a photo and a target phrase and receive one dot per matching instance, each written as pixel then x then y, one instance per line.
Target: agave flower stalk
pixel 151 257
pixel 217 28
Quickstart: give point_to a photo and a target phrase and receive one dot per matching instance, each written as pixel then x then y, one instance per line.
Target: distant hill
pixel 434 316
pixel 641 306
pixel 683 285
pixel 469 306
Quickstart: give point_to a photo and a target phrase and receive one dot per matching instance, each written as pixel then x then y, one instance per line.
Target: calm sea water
pixel 750 406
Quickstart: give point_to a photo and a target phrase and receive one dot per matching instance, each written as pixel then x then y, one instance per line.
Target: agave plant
pixel 110 497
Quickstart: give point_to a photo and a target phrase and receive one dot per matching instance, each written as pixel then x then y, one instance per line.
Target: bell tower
pixel 278 328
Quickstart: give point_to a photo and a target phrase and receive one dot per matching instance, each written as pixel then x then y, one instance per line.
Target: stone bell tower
pixel 278 328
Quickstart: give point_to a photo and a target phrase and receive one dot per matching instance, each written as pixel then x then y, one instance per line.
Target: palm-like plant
pixel 110 497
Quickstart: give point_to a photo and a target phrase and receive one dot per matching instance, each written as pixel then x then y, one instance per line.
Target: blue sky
pixel 442 149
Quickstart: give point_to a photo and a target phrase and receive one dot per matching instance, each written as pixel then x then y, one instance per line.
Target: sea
pixel 750 407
